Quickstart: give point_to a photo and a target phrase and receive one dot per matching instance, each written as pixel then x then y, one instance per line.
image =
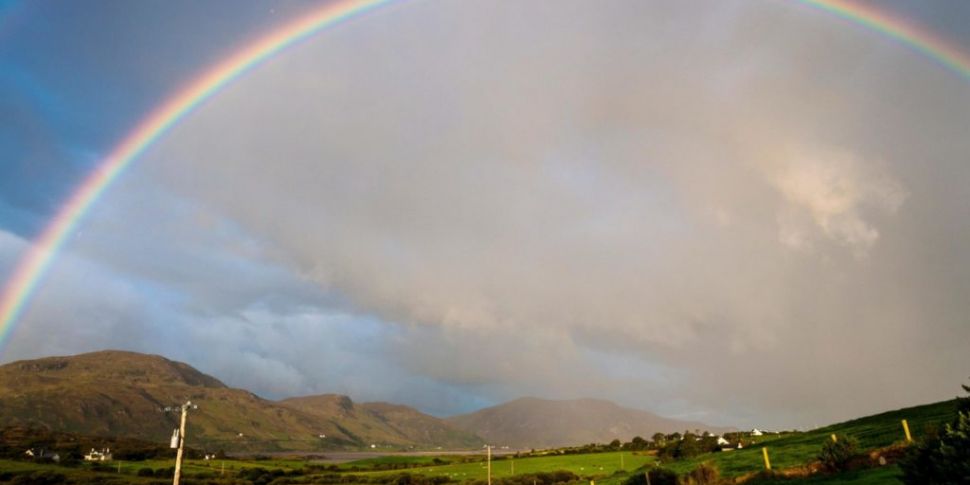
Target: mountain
pixel 382 422
pixel 541 423
pixel 115 393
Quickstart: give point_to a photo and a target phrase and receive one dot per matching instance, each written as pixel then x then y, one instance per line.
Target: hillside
pixel 114 393
pixel 796 449
pixel 541 423
pixel 422 427
pixel 383 423
pixel 15 439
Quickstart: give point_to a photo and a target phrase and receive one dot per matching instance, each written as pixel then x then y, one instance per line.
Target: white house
pixel 756 432
pixel 722 442
pixel 43 454
pixel 95 455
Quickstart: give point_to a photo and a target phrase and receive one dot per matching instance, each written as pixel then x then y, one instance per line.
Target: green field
pixel 398 460
pixel 607 468
pixel 586 465
pixel 800 448
pixel 597 465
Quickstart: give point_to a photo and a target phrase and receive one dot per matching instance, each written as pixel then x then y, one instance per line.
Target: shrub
pixel 942 459
pixel 145 472
pixel 658 476
pixel 541 478
pixel 837 455
pixel 39 478
pixel 705 474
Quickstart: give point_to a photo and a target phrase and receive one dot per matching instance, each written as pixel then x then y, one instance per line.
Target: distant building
pixel 722 442
pixel 42 454
pixel 756 432
pixel 95 455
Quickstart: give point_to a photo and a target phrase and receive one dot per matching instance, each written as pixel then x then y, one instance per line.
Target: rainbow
pixel 34 264
pixel 916 37
pixel 38 258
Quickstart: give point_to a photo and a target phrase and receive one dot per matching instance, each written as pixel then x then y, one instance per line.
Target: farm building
pixel 42 454
pixel 95 455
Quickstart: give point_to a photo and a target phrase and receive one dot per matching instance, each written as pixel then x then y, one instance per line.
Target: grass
pixel 786 451
pixel 398 460
pixel 598 465
pixel 586 465
pixel 887 475
pixel 129 469
pixel 800 448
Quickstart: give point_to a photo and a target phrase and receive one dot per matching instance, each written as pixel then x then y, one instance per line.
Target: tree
pixel 944 458
pixel 963 403
pixel 691 445
pixel 615 444
pixel 638 443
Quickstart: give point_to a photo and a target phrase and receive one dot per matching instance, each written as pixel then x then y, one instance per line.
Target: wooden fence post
pixel 909 437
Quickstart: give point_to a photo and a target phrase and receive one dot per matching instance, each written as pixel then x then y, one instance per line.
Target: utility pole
pixel 181 441
pixel 489 447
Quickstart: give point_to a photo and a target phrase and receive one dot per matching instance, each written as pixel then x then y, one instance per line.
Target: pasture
pixel 584 465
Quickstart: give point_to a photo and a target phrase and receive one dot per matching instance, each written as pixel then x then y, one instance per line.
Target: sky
pixel 747 213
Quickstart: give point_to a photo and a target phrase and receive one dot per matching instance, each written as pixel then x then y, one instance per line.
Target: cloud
pixel 524 199
pixel 86 308
pixel 832 190
pixel 445 205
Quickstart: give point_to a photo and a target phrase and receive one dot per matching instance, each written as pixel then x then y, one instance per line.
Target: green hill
pixel 797 449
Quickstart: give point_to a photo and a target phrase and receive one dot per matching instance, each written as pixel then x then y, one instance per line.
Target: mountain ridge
pixel 120 393
pixel 532 422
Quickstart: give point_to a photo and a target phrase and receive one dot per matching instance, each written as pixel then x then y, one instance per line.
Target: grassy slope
pixel 873 476
pixel 797 449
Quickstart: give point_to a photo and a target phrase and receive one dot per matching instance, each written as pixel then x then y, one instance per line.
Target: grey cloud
pixel 725 195
pixel 751 213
